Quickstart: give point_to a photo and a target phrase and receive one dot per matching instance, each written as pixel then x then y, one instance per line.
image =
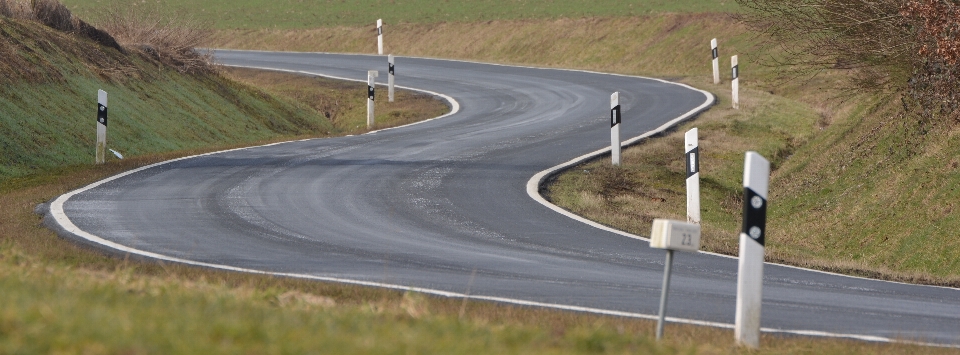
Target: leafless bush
pixel 896 46
pixel 841 34
pixel 53 14
pixel 933 86
pixel 19 9
pixel 171 40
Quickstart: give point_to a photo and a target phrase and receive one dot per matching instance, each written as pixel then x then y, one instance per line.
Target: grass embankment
pixel 296 14
pixel 57 290
pixel 856 188
pixel 48 103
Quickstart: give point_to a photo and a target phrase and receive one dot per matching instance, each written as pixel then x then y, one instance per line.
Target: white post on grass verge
pixel 672 235
pixel 615 128
pixel 371 87
pixel 716 61
pixel 380 36
pixel 692 157
pixel 101 126
pixel 390 78
pixel 735 83
pixel 756 178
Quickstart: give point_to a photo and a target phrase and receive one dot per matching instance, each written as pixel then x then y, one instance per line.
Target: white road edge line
pixel 454 105
pixel 58 214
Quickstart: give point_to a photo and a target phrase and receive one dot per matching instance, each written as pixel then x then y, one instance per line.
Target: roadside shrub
pixel 16 9
pixel 934 87
pixel 170 40
pixel 904 47
pixel 53 14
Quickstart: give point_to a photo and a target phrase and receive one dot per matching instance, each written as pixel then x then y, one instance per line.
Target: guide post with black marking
pixel 390 78
pixel 672 235
pixel 101 126
pixel 380 36
pixel 735 83
pixel 692 157
pixel 615 128
pixel 371 88
pixel 756 178
pixel 716 61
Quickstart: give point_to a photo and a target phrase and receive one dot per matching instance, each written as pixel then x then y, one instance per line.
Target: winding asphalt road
pixel 443 206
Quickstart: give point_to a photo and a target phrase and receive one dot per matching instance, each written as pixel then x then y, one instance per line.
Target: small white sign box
pixel 672 235
pixel 675 235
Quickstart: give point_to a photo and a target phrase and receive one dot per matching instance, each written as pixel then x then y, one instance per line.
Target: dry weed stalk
pixel 170 40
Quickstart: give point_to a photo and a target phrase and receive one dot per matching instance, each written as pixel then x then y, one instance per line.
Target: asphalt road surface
pixel 443 206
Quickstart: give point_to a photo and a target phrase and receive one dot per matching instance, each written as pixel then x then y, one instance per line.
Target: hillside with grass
pixel 832 152
pixel 163 96
pixel 48 103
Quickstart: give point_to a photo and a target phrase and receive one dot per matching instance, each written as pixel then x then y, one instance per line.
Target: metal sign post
pixel 672 235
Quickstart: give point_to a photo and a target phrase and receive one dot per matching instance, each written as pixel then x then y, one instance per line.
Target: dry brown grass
pixel 55 15
pixel 18 9
pixel 342 102
pixel 171 40
pixel 33 53
pixel 636 45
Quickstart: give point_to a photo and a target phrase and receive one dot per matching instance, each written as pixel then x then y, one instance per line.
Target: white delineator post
pixel 380 36
pixel 101 126
pixel 735 83
pixel 716 61
pixel 615 128
pixel 390 78
pixel 371 88
pixel 692 155
pixel 756 178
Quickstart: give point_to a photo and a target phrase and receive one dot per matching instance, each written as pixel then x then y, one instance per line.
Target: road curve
pixel 442 207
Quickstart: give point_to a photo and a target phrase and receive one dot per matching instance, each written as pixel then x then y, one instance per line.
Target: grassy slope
pixel 297 14
pixel 49 115
pixel 43 275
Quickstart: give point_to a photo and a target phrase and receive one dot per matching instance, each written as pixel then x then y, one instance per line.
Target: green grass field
pixel 297 14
